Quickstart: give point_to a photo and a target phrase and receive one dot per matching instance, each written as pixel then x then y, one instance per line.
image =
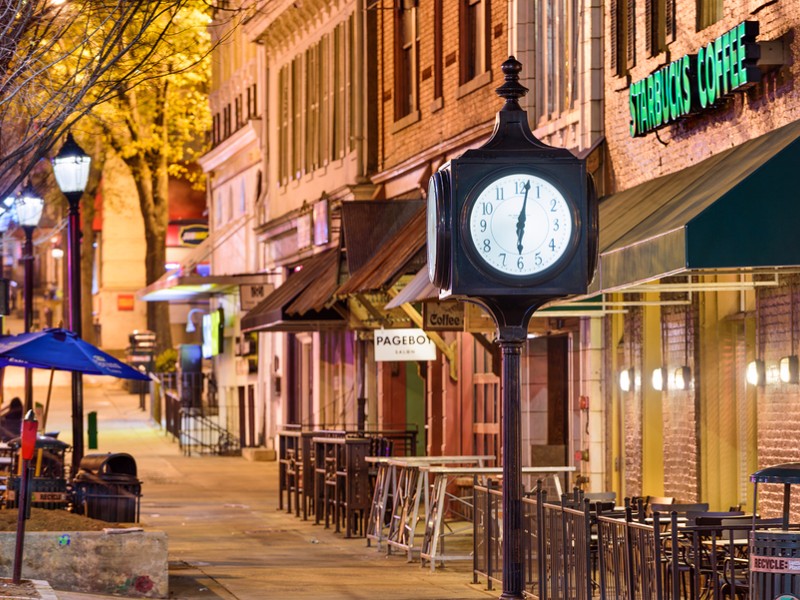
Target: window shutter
pixel 615 37
pixel 651 19
pixel 630 33
pixel 669 20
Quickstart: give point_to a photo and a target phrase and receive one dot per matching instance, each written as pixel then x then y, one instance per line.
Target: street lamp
pixel 28 211
pixel 71 168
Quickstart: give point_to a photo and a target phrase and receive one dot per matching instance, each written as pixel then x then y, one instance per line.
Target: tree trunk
pixel 88 212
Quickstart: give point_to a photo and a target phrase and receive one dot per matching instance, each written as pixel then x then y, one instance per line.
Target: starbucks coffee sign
pixel 696 82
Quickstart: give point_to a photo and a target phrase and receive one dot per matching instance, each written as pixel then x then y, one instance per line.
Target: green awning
pixel 739 209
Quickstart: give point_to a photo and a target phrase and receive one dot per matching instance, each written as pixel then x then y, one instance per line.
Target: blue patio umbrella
pixel 62 350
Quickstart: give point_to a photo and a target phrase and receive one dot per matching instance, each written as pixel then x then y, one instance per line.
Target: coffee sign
pixel 443 316
pixel 696 82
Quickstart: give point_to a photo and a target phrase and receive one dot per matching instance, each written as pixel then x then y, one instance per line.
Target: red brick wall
pixel 767 106
pixel 456 115
pixel 680 422
pixel 778 403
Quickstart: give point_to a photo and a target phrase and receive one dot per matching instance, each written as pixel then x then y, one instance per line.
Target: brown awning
pixel 368 224
pixel 393 258
pixel 302 302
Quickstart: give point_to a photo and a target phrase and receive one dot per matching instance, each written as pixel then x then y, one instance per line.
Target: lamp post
pixel 71 168
pixel 28 208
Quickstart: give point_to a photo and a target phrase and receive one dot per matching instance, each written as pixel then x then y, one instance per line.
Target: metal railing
pixel 573 553
pixel 190 408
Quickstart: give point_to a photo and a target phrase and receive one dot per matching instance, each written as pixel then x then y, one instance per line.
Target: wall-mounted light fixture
pixel 788 370
pixel 659 379
pixel 627 380
pixel 682 378
pixel 756 373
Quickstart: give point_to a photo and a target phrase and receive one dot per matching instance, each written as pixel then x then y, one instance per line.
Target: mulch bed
pixel 23 589
pixel 51 520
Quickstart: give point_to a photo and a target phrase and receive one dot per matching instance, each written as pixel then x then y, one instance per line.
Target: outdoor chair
pixel 657 500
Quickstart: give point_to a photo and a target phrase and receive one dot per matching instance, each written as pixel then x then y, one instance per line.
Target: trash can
pixel 775 552
pixel 106 488
pixel 48 486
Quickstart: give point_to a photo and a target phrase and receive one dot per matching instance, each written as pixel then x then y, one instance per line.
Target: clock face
pixel 432 223
pixel 438 235
pixel 519 225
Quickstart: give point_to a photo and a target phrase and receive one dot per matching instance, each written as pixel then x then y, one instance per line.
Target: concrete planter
pixel 130 564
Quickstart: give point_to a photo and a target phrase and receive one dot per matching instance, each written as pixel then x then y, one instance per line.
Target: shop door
pixel 545 401
pixel 301 385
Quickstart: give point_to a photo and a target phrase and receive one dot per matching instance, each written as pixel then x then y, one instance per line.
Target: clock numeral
pixel 538 191
pixel 552 244
pixel 503 256
pixel 520 264
pixel 487 246
pixel 537 259
pixel 555 225
pixel 499 193
pixel 487 208
pixel 553 205
pixel 483 225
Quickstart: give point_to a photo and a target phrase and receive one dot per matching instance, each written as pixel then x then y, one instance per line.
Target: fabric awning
pixel 418 289
pixel 390 260
pixel 368 224
pixel 182 288
pixel 735 210
pixel 301 303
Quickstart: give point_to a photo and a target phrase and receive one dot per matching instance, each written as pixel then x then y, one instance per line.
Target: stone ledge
pixel 130 564
pixel 258 454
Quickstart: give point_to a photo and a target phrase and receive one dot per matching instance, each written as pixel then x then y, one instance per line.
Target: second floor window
pixel 623 36
pixel 406 58
pixel 556 58
pixel 474 47
pixel 708 13
pixel 660 25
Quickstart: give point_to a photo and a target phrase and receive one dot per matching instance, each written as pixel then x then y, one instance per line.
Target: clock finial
pixel 511 89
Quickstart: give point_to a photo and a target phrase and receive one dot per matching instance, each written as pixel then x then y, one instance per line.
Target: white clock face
pixel 432 218
pixel 520 225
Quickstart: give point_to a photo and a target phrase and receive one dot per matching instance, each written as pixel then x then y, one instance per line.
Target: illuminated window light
pixel 756 373
pixel 789 369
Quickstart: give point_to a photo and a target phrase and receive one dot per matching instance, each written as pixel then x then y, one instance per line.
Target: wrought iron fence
pixel 575 553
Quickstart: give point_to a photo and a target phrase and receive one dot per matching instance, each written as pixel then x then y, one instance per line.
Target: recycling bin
pixel 775 552
pixel 106 488
pixel 48 484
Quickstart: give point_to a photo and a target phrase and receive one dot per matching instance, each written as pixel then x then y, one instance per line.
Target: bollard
pixel 91 430
pixel 27 446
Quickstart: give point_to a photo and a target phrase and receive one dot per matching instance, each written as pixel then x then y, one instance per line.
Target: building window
pixel 708 13
pixel 406 58
pixel 283 124
pixel 556 62
pixel 252 101
pixel 297 116
pixel 238 112
pixel 623 36
pixel 339 91
pixel 438 24
pixel 312 108
pixel 660 24
pixel 474 38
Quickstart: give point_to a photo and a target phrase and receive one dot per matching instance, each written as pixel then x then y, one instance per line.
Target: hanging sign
pixel 403 344
pixel 250 294
pixel 443 316
pixel 696 82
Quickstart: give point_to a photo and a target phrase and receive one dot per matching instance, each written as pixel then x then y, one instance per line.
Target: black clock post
pixel 512 225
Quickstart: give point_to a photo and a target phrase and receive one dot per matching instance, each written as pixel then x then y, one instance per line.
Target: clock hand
pixel 522 216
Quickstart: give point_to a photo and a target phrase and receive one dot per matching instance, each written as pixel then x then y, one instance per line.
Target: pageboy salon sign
pixel 403 344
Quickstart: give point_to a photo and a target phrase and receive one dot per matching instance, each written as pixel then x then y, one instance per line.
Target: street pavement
pixel 227 539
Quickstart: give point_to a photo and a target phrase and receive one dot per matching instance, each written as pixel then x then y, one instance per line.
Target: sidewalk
pixel 226 537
